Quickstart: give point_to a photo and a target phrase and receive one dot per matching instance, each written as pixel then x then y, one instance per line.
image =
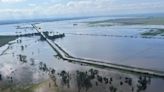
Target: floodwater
pixel 116 44
pixel 28 61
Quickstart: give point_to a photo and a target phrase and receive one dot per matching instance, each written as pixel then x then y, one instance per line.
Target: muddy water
pixel 30 65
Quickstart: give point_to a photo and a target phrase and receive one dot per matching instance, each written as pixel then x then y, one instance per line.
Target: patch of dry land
pixel 153 32
pixel 133 21
pixel 129 21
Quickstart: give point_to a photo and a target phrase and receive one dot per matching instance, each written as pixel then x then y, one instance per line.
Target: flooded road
pixel 117 44
pixel 30 65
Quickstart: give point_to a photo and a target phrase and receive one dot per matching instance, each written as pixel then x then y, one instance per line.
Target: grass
pixel 128 21
pixel 40 87
pixel 153 32
pixel 5 39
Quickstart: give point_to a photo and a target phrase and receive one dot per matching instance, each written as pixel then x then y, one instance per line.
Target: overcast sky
pixel 18 9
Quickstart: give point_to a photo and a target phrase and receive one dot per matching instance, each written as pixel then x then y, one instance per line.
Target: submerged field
pixel 5 39
pixel 31 65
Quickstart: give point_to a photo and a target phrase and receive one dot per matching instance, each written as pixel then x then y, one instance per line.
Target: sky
pixel 34 9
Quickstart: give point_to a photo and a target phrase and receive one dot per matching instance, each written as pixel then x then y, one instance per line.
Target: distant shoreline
pixel 128 21
pixel 17 21
pixel 7 22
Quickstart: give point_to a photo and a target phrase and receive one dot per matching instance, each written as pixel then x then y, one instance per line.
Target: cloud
pixel 17 13
pixel 32 5
pixel 11 1
pixel 79 8
pixel 101 7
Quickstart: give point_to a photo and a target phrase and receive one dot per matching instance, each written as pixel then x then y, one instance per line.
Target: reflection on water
pixel 30 65
pixel 110 43
pixel 88 80
pixel 21 69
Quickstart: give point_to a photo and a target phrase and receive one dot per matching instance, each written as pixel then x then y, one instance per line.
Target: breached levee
pixel 65 56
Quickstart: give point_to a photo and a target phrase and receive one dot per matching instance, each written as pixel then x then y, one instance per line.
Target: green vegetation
pixel 153 32
pixel 128 21
pixel 18 89
pixel 5 39
pixel 45 85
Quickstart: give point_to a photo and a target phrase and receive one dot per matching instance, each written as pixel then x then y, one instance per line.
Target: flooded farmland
pixel 29 64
